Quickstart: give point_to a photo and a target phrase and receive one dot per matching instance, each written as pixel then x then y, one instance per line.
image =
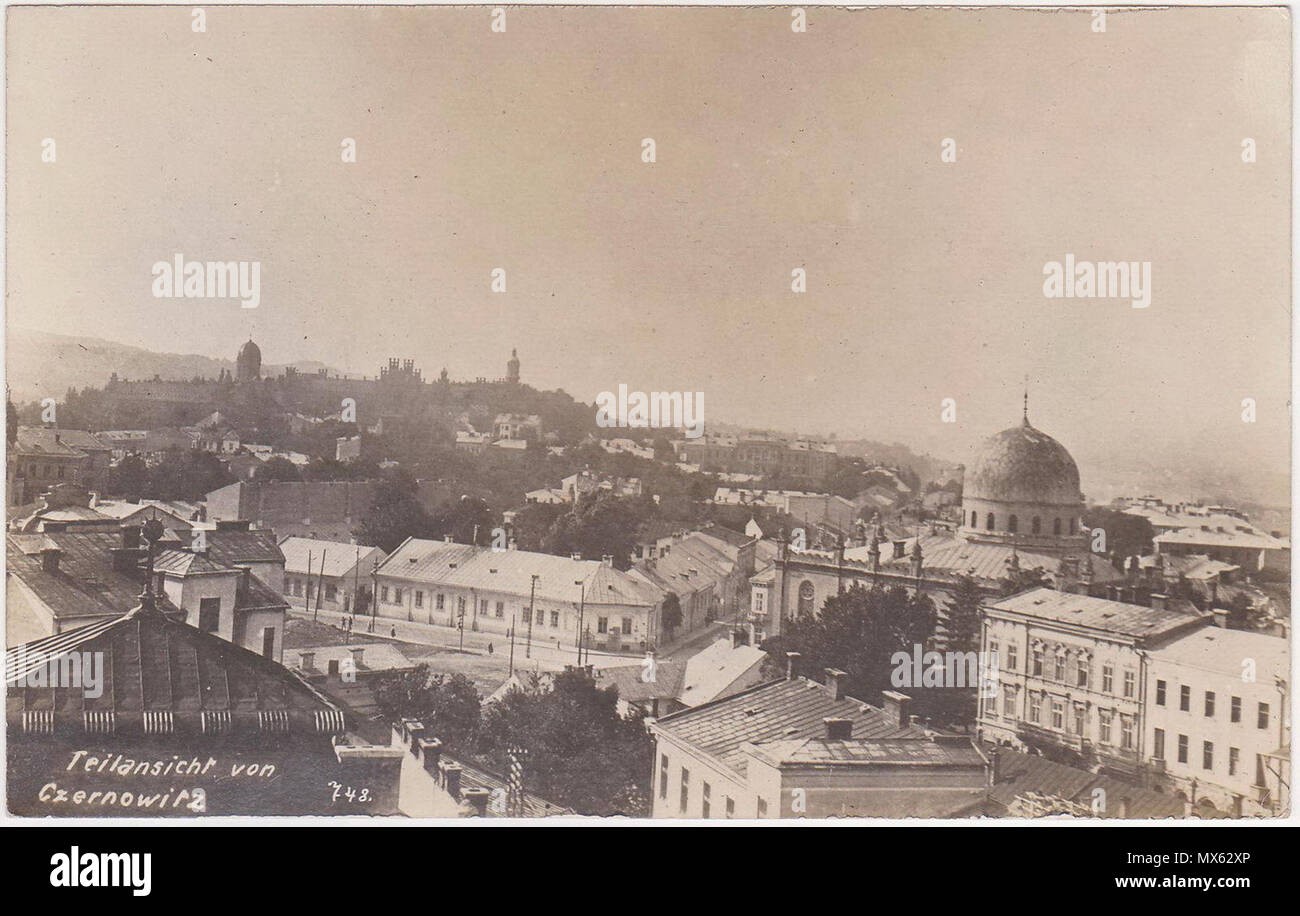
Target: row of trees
pixel 578 751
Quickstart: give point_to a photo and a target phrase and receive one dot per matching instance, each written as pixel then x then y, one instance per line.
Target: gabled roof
pixel 337 557
pixel 186 563
pixel 633 688
pixel 713 670
pixel 777 710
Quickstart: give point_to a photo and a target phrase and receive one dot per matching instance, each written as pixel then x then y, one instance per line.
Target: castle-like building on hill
pixel 1021 510
pixel 399 389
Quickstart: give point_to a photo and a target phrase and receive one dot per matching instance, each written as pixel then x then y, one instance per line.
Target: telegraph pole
pixel 582 604
pixel 513 618
pixel 532 593
pixel 374 593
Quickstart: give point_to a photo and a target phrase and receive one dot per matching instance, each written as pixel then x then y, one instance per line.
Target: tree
pixel 447 705
pixel 11 423
pixel 532 522
pixel 578 751
pixel 468 520
pixel 129 477
pixel 604 526
pixel 858 631
pixel 187 475
pixel 1126 535
pixel 394 515
pixel 278 468
pixel 671 613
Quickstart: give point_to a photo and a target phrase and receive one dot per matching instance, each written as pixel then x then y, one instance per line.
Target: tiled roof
pixel 85 583
pixel 777 710
pixel 1225 537
pixel 951 554
pixel 230 546
pixel 1132 620
pixel 1020 775
pixel 627 679
pixel 154 665
pixel 184 563
pixel 713 670
pixel 511 571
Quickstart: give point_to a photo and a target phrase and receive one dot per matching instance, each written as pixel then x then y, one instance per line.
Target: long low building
pixel 328 575
pixel 488 590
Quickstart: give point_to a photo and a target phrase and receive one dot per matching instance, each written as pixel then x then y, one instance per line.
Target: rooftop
pixel 1130 620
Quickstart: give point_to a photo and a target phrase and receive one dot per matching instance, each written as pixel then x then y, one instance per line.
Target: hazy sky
pixel 775 150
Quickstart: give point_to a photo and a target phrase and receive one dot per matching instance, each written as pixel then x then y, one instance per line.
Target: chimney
pixel 478 801
pixel 1214 593
pixel 50 559
pixel 130 536
pixel 838 729
pixel 575 556
pixel 737 637
pixel 1221 619
pixel 245 579
pixel 835 679
pixel 1158 601
pixel 1123 806
pixel 791 665
pixel 306 660
pixel 607 560
pixel 356 652
pixel 896 705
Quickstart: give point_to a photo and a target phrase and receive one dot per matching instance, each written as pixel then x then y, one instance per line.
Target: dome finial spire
pixel 1024 416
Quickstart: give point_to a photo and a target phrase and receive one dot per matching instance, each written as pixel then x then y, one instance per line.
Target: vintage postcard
pixel 555 412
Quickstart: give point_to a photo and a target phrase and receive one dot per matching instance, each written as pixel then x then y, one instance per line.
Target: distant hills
pixel 40 365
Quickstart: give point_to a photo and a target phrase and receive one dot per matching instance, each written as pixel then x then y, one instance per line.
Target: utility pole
pixel 532 593
pixel 374 593
pixel 307 588
pixel 582 606
pixel 513 619
pixel 320 586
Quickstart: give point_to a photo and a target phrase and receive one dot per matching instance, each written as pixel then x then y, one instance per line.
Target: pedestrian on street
pixel 489 648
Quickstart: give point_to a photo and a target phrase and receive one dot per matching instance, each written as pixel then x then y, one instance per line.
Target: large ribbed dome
pixel 1023 465
pixel 248 363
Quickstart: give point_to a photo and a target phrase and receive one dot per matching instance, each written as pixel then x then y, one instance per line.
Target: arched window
pixel 974 519
pixel 1071 526
pixel 1056 527
pixel 988 522
pixel 805 597
pixel 1012 524
pixel 1037 524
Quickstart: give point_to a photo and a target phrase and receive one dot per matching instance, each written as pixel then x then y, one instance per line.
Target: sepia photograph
pixel 591 414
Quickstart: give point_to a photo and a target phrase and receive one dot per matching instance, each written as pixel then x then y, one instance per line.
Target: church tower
pixel 512 368
pixel 248 364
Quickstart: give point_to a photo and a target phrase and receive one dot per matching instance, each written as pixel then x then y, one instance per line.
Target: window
pixel 602 624
pixel 974 520
pixel 1235 709
pixel 1184 698
pixel 760 600
pixel 541 617
pixel 1207 755
pixel 1037 525
pixel 1078 719
pixel 1234 760
pixel 1013 524
pixel 730 805
pixel 989 521
pixel 1126 732
pixel 297 588
pixel 991 706
pixel 1209 704
pixel 1056 527
pixel 397 596
pixel 1130 683
pixel 627 626
pixel 1182 748
pixel 762 807
pixel 1009 701
pixel 1103 725
pixel 440 601
pixel 311 588
pixel 555 618
pixel 1058 715
pixel 1034 713
pixel 483 606
pixel 501 610
pixel 1011 657
pixel 1082 680
pixel 686 789
pixel 1072 524
pixel 209 614
pixel 704 804
pixel 268 642
pixel 1060 666
pixel 460 605
pixel 663 776
pixel 419 598
pixel 1160 692
pixel 806 594
pixel 331 592
pixel 1158 750
pixel 1262 716
pixel 1038 663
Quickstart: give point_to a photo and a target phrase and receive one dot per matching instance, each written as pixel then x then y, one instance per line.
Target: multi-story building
pixel 326 509
pixel 42 457
pixel 797 748
pixel 1073 672
pixel 759 455
pixel 1218 706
